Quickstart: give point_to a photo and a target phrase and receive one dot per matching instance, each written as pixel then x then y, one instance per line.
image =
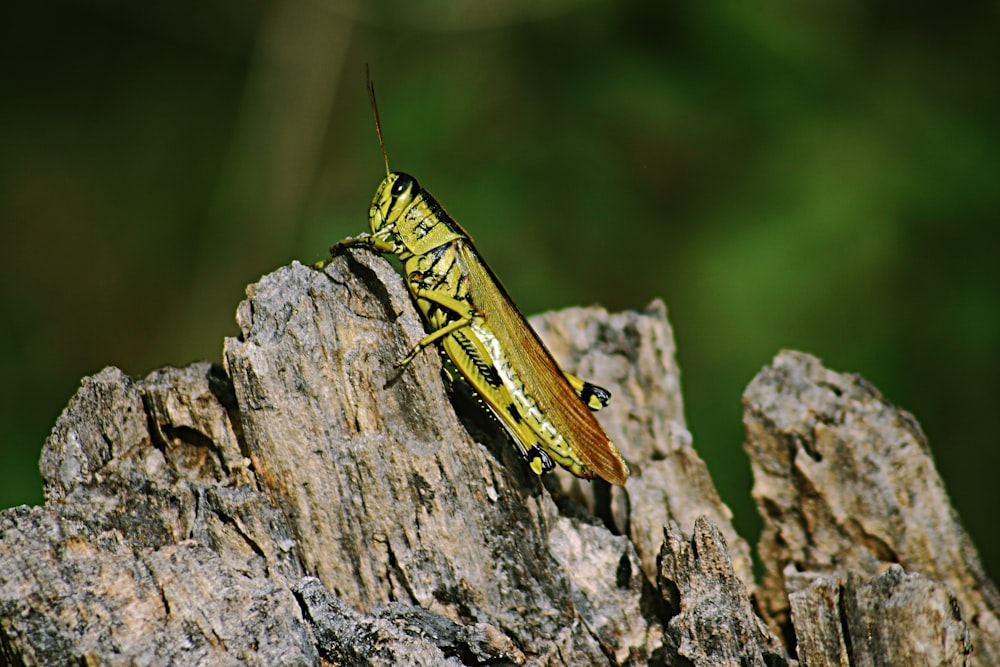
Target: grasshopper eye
pixel 403 183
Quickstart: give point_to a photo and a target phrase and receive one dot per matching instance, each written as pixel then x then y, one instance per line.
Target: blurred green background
pixel 817 176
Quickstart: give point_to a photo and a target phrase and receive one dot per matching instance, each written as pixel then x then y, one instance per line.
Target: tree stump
pixel 309 504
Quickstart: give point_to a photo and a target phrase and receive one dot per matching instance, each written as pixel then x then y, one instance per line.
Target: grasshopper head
pixel 394 195
pixel 406 216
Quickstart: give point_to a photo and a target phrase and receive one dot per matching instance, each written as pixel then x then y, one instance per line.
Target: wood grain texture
pixel 306 503
pixel 847 486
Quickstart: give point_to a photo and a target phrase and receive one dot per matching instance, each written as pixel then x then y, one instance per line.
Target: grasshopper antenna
pixel 378 123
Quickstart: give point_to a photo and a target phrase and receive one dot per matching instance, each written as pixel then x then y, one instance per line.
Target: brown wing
pixel 532 361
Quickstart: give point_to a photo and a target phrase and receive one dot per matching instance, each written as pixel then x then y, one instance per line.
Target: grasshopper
pixel 546 411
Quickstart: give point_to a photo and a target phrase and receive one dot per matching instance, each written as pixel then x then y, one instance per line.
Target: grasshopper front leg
pixel 366 239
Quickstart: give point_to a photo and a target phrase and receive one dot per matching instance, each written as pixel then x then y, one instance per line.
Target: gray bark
pixel 847 488
pixel 307 503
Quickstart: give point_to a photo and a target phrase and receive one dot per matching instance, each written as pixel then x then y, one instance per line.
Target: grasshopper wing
pixel 533 363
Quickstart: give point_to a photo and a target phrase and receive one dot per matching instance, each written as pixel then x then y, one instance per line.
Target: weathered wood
pixel 75 594
pixel 893 618
pixel 633 355
pixel 310 504
pixel 713 622
pixel 846 484
pixel 391 498
pixel 399 634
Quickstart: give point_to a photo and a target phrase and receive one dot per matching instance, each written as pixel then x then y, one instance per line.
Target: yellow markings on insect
pixel 466 310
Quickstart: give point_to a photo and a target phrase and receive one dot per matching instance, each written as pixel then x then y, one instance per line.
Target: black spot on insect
pixel 589 391
pixel 536 452
pixel 514 414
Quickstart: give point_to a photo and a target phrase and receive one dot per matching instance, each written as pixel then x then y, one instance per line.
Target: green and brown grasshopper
pixel 466 310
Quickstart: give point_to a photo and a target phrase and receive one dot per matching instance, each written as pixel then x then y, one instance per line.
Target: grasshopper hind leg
pixel 535 456
pixel 538 460
pixel 593 397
